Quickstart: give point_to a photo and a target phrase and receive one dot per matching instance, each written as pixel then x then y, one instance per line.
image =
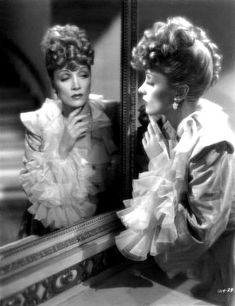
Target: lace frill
pixel 59 190
pixel 150 215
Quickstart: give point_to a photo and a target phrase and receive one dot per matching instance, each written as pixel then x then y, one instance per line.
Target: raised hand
pixel 75 127
pixel 153 142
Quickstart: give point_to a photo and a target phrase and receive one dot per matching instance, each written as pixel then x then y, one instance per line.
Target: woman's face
pixel 157 94
pixel 73 86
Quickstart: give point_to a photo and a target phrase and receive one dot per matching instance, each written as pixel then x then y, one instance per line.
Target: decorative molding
pixel 65 279
pixel 78 240
pixel 61 234
pixel 129 94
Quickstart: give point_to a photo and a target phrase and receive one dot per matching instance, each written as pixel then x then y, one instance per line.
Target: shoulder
pixel 214 132
pixel 211 154
pixel 36 120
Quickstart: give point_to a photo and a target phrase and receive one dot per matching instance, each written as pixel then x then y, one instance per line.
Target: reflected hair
pixel 182 52
pixel 66 46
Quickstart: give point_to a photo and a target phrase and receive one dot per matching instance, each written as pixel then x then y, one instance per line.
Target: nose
pixel 142 89
pixel 75 82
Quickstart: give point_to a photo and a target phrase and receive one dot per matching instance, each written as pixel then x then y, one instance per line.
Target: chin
pixel 152 112
pixel 77 104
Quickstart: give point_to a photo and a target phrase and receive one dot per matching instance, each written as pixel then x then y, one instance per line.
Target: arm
pixel 203 212
pixel 59 189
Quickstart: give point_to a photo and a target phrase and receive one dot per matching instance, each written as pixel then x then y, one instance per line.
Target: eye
pixel 84 74
pixel 150 83
pixel 149 80
pixel 64 77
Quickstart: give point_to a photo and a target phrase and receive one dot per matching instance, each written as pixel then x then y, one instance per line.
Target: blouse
pixel 64 191
pixel 185 203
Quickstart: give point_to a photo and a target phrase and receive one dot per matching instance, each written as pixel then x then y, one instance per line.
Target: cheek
pixel 61 89
pixel 87 86
pixel 162 96
pixel 165 96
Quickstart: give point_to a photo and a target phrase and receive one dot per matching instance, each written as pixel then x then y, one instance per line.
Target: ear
pixel 182 92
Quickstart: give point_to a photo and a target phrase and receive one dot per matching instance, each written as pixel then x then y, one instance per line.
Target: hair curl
pixel 182 52
pixel 63 45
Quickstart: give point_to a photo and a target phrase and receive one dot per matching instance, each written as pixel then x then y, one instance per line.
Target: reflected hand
pixel 75 127
pixel 153 140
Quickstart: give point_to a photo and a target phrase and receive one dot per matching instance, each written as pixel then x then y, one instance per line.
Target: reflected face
pixel 156 93
pixel 73 86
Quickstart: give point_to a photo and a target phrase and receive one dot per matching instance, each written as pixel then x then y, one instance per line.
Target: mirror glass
pixel 222 33
pixel 90 178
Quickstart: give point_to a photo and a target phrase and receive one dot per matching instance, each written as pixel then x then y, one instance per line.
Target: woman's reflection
pixel 68 142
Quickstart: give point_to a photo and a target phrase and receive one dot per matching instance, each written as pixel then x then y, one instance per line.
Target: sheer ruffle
pixel 149 216
pixel 60 190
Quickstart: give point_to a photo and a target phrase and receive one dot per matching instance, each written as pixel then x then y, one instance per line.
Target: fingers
pixel 156 129
pixel 80 133
pixel 75 113
pixel 79 129
pixel 78 118
pixel 75 116
pixel 80 124
pixel 151 130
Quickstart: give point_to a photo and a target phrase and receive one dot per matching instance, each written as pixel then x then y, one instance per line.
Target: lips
pixel 77 96
pixel 145 99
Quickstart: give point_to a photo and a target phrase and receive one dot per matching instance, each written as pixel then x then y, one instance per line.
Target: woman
pixel 68 145
pixel 182 211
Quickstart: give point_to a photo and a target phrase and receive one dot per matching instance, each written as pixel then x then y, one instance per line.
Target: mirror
pixel 25 85
pixel 35 269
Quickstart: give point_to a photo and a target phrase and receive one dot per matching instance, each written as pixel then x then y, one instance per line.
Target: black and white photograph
pixel 117 162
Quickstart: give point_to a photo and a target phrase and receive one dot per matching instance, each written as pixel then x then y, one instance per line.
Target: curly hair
pixel 180 51
pixel 63 45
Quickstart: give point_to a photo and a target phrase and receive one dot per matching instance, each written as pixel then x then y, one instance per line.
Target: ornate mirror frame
pixel 34 269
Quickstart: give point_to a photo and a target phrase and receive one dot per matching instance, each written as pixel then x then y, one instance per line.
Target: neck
pixel 183 111
pixel 85 109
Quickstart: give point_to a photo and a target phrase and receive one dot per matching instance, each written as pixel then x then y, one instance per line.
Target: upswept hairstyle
pixel 66 45
pixel 180 51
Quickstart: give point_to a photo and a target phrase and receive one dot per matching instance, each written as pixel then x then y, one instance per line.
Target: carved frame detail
pixel 49 287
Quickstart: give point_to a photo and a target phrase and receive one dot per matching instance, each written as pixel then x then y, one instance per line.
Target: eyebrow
pixel 62 71
pixel 69 70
